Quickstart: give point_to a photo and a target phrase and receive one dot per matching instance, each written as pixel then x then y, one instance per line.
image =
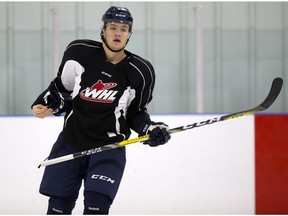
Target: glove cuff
pixel 144 128
pixel 159 124
pixel 149 126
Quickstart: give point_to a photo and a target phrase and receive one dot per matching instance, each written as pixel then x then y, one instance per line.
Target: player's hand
pixel 41 111
pixel 158 132
pixel 58 102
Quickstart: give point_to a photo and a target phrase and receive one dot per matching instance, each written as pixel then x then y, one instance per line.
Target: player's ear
pixel 102 34
pixel 130 33
pixel 102 31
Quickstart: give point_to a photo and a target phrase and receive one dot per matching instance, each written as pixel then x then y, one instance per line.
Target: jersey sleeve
pixel 69 69
pixel 138 115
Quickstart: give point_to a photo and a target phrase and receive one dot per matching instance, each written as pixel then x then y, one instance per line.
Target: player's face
pixel 116 35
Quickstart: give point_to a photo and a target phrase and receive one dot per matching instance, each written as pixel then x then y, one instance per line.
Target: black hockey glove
pixel 59 102
pixel 158 132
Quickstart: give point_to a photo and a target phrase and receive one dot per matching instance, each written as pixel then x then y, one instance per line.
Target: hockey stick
pixel 269 100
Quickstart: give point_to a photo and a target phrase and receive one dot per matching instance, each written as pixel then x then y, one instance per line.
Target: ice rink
pixel 206 170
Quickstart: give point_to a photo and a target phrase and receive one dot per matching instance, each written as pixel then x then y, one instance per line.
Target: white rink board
pixel 206 170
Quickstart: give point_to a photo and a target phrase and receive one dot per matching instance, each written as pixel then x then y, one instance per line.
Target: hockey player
pixel 103 90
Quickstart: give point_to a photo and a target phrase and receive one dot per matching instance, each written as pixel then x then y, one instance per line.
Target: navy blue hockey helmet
pixel 118 14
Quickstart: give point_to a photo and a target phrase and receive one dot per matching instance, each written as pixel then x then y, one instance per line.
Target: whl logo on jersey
pixel 99 92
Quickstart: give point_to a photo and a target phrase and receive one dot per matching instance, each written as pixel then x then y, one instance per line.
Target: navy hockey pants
pixel 101 173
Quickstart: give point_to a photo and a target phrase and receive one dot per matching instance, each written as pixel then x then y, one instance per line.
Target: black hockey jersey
pixel 108 99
